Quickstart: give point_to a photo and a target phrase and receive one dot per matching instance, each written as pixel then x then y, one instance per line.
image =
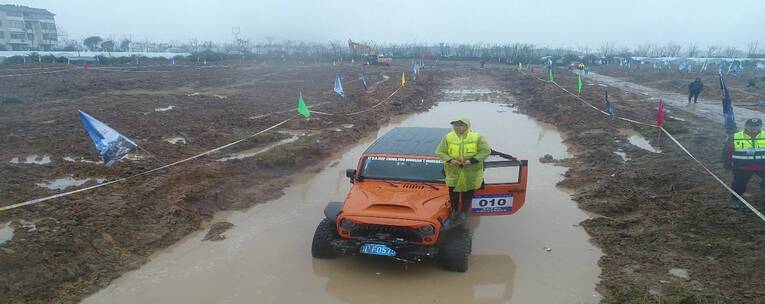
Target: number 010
pixel 492 202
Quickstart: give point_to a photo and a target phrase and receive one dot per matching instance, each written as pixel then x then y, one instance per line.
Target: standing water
pixel 538 255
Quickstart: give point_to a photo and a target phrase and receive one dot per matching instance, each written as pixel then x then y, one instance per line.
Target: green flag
pixel 302 108
pixel 550 76
pixel 579 84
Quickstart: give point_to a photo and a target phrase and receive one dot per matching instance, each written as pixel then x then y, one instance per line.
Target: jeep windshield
pixel 403 168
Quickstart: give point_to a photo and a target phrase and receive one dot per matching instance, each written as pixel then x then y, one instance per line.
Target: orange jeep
pixel 399 205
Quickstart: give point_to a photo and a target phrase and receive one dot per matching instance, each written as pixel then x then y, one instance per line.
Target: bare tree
pixel 654 50
pixel 751 49
pixel 712 51
pixel 336 47
pixel 692 49
pixel 644 50
pixel 607 49
pixel 732 52
pixel 673 50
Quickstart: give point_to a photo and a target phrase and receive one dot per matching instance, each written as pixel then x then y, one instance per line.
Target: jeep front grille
pixel 389 232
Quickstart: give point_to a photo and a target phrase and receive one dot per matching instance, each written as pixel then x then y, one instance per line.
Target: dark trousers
pixel 695 96
pixel 741 178
pixel 454 200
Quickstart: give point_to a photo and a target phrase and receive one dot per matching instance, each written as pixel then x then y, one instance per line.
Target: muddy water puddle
pixel 164 109
pixel 638 140
pixel 539 255
pixel 34 159
pixel 176 140
pixel 6 232
pixel 67 182
pixel 257 151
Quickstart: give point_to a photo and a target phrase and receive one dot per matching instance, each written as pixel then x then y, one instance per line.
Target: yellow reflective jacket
pixel 470 146
pixel 747 150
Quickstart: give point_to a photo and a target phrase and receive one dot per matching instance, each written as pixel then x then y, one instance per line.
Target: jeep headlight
pixel 347 225
pixel 427 230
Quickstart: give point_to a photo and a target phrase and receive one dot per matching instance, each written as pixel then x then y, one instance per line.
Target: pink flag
pixel 660 115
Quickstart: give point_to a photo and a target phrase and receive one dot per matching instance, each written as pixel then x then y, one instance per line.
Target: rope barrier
pixel 746 203
pixel 37 73
pixel 47 198
pixel 30 69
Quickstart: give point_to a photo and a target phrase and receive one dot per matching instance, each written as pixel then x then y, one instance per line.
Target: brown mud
pixel 663 226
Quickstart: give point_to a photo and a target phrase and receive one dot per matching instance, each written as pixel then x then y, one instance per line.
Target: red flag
pixel 660 115
pixel 85 67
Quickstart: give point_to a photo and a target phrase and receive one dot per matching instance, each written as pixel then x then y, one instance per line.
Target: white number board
pixel 492 203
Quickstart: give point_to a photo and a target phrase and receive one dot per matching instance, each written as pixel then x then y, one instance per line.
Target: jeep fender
pixel 332 210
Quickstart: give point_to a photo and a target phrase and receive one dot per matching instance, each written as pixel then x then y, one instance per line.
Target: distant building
pixel 24 28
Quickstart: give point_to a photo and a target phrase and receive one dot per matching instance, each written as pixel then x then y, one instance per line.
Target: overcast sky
pixel 555 23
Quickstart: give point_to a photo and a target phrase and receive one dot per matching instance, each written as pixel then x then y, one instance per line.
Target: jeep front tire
pixel 322 240
pixel 455 251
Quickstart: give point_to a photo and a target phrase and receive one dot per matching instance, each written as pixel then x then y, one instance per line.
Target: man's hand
pixel 455 162
pixel 466 162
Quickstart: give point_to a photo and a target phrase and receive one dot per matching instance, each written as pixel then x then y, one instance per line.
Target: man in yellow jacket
pixel 463 152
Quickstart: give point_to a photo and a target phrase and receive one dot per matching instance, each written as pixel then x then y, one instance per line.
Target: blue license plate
pixel 377 249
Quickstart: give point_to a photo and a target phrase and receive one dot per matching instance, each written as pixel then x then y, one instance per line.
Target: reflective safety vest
pixel 748 150
pixel 463 148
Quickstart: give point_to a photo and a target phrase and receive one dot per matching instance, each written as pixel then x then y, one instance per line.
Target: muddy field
pixel 742 93
pixel 67 248
pixel 661 223
pixel 658 219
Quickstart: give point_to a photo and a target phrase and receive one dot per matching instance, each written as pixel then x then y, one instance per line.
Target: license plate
pixel 490 204
pixel 377 249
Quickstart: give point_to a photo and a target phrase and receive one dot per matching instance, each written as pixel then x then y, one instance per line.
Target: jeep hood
pixel 396 200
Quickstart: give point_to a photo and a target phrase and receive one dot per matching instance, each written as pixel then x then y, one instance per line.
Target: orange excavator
pixel 371 55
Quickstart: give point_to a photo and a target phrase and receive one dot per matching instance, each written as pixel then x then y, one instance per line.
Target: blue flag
pixel 609 107
pixel 339 86
pixel 730 121
pixel 363 78
pixel 112 145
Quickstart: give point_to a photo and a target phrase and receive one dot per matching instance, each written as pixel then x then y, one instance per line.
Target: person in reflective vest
pixel 463 152
pixel 745 155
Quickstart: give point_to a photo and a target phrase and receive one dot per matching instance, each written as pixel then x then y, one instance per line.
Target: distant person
pixel 694 89
pixel 463 152
pixel 483 62
pixel 745 154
